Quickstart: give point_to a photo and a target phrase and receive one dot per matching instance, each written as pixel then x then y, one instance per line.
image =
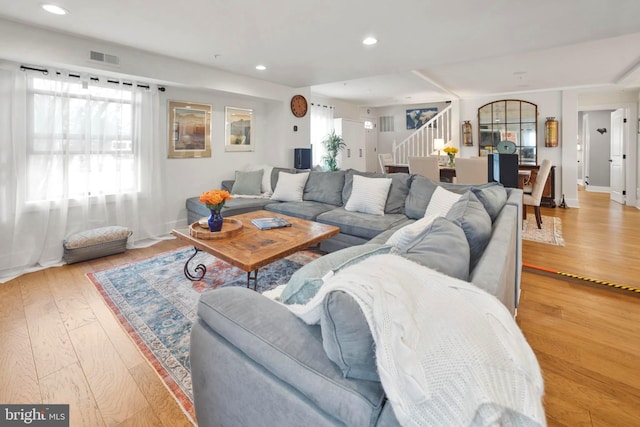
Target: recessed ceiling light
pixel 369 41
pixel 56 10
pixel 261 67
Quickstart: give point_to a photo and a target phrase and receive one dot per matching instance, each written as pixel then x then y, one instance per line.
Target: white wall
pixel 386 139
pixel 273 124
pixel 549 105
pixel 599 148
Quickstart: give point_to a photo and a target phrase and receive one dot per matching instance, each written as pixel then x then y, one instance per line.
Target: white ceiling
pixel 428 51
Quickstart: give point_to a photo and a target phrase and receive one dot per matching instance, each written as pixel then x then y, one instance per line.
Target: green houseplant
pixel 334 144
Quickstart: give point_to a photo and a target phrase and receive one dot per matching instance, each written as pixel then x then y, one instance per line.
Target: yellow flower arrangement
pixel 215 199
pixel 450 150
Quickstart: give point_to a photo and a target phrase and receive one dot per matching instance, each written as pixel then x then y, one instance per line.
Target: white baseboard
pixel 572 203
pixel 596 189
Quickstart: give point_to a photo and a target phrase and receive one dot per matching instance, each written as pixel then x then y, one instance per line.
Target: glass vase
pixel 452 160
pixel 215 220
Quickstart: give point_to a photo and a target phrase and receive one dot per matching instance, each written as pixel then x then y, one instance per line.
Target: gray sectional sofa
pixel 254 363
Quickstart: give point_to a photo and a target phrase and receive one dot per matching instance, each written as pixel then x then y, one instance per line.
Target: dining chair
pixel 472 171
pixel 425 166
pixel 385 159
pixel 537 187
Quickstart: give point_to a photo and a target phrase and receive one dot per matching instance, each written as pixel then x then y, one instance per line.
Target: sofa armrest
pixel 267 333
pixel 497 268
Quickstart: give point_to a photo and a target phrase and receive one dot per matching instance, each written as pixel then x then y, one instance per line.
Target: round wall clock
pixel 299 106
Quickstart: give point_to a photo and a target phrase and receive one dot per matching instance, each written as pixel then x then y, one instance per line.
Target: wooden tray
pixel 230 227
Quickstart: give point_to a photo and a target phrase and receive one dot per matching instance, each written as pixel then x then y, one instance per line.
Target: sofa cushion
pixel 360 224
pixel 324 187
pixel 368 195
pixel 417 200
pixel 442 246
pixel 441 202
pixel 293 355
pixel 305 210
pixel 306 281
pixel 248 183
pixel 493 197
pixel 346 337
pixel 400 183
pixel 469 214
pixel 290 187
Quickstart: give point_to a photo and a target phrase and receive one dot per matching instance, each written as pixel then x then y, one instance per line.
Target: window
pixel 80 140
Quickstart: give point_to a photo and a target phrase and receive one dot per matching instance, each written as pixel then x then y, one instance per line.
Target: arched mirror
pixel 509 126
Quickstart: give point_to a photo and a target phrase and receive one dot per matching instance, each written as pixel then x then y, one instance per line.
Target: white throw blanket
pixel 448 353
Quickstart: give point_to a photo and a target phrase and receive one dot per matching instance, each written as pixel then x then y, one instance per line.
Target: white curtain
pixel 75 154
pixel 321 126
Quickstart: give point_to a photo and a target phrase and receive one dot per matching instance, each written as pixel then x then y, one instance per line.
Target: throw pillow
pixel 402 237
pixel 442 246
pixel 369 195
pixel 248 183
pixel 306 281
pixel 469 214
pixel 290 187
pixel 324 187
pixel 266 179
pixel 493 197
pixel 400 183
pixel 420 194
pixel 346 337
pixel 441 202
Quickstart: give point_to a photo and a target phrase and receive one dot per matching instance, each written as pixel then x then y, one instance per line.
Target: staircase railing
pixel 420 143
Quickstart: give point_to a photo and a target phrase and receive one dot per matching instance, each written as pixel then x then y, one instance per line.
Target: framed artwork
pixel 239 122
pixel 189 130
pixel 419 116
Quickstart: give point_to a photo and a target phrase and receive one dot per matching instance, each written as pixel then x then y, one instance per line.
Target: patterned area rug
pixel 550 233
pixel 156 304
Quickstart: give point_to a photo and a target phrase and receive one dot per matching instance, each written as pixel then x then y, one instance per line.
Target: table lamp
pixel 438 144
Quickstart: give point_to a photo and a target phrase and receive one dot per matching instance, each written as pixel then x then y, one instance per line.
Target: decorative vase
pixel 215 220
pixel 452 160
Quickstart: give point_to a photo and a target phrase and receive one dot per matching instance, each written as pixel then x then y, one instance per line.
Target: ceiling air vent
pixel 104 58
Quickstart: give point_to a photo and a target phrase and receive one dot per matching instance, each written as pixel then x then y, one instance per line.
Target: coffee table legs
pixel 253 278
pixel 200 269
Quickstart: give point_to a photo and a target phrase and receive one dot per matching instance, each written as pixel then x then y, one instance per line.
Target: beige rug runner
pixel 550 233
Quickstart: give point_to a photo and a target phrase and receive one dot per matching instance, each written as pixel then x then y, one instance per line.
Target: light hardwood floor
pixel 60 343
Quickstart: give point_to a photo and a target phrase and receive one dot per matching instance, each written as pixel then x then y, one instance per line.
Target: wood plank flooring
pixel 62 344
pixel 586 336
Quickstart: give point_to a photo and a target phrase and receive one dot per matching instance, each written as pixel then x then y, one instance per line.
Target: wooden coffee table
pixel 253 248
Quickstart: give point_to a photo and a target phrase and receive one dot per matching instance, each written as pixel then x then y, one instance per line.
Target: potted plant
pixel 334 143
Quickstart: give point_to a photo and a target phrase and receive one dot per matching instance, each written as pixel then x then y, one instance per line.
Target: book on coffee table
pixel 271 222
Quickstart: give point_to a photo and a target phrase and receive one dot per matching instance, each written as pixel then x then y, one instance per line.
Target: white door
pixel 371 143
pixel 585 149
pixel 617 155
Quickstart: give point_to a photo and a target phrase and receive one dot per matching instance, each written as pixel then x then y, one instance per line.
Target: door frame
pixel 630 147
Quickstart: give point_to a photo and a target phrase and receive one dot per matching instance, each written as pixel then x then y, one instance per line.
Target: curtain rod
pixel 325 106
pixel 92 78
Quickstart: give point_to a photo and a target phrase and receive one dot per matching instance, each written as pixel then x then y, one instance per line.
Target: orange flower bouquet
pixel 215 199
